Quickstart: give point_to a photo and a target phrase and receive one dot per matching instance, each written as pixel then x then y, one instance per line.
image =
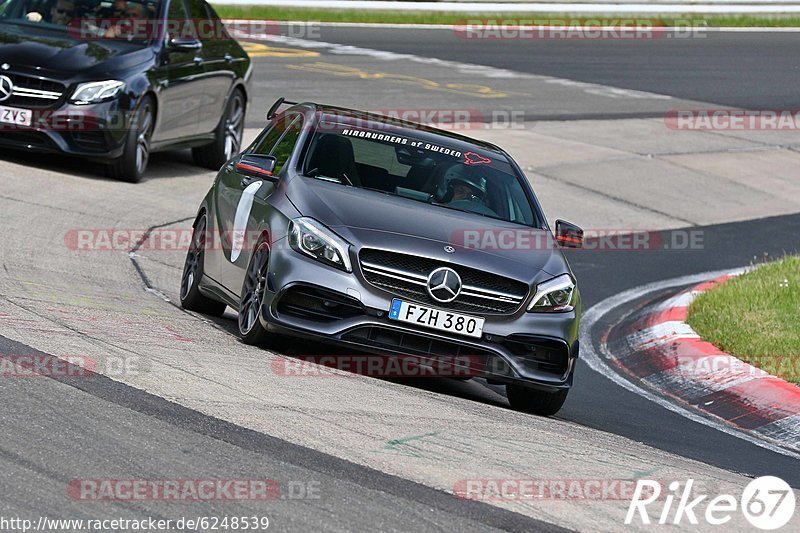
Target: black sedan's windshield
pixel 86 19
pixel 473 180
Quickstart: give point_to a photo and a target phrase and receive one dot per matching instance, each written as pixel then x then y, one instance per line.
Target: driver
pixel 125 12
pixel 467 189
pixel 118 8
pixel 62 12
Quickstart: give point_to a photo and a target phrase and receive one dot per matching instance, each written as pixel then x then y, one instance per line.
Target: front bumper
pixel 308 299
pixel 93 131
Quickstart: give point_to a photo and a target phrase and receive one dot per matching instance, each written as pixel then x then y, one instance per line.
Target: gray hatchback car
pixel 390 238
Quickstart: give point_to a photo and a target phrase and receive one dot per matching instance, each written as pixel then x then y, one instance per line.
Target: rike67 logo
pixel 767 503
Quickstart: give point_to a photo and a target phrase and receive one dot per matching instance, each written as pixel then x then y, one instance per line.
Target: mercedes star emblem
pixel 444 284
pixel 6 88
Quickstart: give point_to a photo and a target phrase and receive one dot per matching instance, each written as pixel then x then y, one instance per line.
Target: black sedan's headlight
pixel 96 91
pixel 309 237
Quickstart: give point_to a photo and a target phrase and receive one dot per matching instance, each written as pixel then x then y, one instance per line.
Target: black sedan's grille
pixel 33 92
pixel 406 276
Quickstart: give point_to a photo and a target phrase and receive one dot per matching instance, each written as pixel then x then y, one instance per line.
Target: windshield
pixel 436 173
pixel 126 20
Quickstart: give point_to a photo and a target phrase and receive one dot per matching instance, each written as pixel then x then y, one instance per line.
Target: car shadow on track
pixel 162 165
pixel 475 389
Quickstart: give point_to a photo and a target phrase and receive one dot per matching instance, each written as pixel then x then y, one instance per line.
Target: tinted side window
pixel 265 144
pixel 283 150
pixel 208 28
pixel 219 28
pixel 179 24
pixel 197 9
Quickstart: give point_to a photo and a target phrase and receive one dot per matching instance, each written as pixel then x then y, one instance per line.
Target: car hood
pixel 375 220
pixel 55 54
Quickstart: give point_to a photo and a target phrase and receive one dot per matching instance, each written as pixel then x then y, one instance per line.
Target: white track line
pixel 555 21
pixel 722 7
pixel 596 362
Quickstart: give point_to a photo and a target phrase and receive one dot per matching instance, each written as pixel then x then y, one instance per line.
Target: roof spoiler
pixel 274 109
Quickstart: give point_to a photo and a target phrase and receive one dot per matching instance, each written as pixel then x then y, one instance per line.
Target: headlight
pixel 96 91
pixel 309 237
pixel 554 296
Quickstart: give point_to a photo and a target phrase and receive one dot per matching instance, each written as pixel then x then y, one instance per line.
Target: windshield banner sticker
pixel 397 139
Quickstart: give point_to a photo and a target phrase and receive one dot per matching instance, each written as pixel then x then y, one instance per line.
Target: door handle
pixel 228 58
pixel 198 60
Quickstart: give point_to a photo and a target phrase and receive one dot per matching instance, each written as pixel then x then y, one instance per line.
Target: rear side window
pixel 280 140
pixel 283 150
pixel 265 144
pixel 219 27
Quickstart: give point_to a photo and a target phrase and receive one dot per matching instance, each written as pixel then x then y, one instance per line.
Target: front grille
pixel 410 343
pixel 34 92
pixel 474 361
pixel 407 275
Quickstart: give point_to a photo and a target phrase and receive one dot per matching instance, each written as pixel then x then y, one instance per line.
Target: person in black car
pixel 465 189
pixel 62 12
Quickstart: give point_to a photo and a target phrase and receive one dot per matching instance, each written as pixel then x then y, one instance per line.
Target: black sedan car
pixel 395 238
pixel 116 80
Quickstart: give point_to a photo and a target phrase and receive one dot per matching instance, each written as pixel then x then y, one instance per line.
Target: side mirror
pixel 257 166
pixel 183 44
pixel 568 235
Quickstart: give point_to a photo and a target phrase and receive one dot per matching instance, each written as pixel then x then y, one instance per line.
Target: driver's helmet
pixel 476 184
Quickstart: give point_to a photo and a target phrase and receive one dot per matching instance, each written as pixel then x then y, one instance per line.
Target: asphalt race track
pixel 750 70
pixel 177 396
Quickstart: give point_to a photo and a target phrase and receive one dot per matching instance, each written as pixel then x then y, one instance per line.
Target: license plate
pixel 439 319
pixel 14 115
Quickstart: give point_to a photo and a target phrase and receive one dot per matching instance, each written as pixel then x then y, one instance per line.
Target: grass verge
pixel 432 17
pixel 756 317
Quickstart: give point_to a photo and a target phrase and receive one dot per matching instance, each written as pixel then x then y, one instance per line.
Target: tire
pixel 228 136
pixel 252 297
pixel 132 164
pixel 191 297
pixel 534 401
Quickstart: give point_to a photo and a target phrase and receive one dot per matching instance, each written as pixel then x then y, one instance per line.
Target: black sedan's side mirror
pixel 257 166
pixel 568 235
